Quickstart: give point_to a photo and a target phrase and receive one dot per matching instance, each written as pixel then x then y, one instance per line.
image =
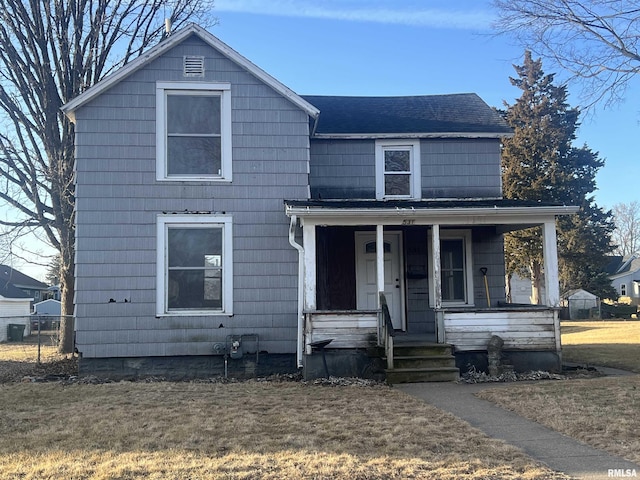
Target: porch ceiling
pixel 516 213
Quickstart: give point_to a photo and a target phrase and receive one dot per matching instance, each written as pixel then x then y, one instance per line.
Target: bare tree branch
pixel 626 235
pixel 50 52
pixel 595 41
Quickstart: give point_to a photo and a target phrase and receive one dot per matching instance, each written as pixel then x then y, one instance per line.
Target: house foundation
pixel 179 368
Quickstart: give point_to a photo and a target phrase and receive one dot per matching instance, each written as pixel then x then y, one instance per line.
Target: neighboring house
pixel 624 273
pixel 15 308
pixel 580 304
pixel 53 292
pixel 223 221
pixel 32 287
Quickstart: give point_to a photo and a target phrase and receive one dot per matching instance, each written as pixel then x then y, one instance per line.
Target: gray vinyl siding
pixel 461 168
pixel 450 168
pixel 118 200
pixel 343 169
pixel 488 252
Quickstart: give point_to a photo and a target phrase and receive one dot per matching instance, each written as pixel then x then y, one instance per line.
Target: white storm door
pixel 366 275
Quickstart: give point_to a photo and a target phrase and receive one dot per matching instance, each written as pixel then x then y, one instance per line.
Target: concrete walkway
pixel 553 449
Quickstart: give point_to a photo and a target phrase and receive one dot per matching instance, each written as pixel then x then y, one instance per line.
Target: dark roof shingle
pixel 464 113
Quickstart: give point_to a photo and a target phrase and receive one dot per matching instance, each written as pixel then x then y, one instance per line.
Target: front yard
pixel 249 430
pixel 604 343
pixel 602 412
pixel 284 429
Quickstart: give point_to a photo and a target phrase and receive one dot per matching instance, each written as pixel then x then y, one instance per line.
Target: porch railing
pixel 385 331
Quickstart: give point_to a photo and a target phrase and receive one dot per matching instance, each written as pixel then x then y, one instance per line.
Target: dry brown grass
pixel 602 412
pixel 18 360
pixel 605 343
pixel 251 430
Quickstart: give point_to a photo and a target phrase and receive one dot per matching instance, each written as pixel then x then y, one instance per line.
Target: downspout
pixel 300 249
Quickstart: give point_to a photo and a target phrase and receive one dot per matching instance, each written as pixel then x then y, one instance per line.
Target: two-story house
pixel 227 224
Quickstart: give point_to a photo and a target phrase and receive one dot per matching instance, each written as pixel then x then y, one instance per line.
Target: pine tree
pixel 540 163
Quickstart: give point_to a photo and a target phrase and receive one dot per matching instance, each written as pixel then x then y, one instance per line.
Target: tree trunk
pixel 536 279
pixel 67 287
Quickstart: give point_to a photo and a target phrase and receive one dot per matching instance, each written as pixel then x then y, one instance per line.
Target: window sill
pixel 195 313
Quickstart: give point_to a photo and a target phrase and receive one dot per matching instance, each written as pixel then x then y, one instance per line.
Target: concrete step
pixel 417 350
pixel 414 375
pixel 419 361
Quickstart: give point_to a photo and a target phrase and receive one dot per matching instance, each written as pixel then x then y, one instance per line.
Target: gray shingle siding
pixel 118 200
pixel 449 168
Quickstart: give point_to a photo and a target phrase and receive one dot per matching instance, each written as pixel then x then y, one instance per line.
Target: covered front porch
pixel 439 266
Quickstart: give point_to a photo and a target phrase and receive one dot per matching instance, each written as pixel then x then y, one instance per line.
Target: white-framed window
pixel 623 289
pixel 398 169
pixel 456 268
pixel 194 265
pixel 193 131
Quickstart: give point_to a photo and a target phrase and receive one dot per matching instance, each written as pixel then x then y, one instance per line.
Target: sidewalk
pixel 555 450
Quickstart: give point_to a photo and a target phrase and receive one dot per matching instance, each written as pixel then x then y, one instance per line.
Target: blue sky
pixel 415 47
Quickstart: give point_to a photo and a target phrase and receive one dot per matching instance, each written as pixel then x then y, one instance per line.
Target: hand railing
pixel 386 331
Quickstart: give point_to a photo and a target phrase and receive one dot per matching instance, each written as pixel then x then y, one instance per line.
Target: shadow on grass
pixel 569 329
pixel 624 356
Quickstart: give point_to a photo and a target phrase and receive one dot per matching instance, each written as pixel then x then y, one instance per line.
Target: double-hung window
pixel 195 268
pixel 398 169
pixel 193 131
pixel 456 269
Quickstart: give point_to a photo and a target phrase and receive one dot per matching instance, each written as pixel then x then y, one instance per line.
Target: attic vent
pixel 193 66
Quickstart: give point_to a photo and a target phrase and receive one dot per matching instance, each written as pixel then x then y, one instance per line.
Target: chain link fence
pixel 42 330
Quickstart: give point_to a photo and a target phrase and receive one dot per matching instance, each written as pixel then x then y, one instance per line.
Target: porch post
pixel 309 239
pixel 435 260
pixel 550 253
pixel 380 260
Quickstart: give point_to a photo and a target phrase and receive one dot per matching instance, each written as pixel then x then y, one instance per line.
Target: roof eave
pixel 366 136
pixel 478 215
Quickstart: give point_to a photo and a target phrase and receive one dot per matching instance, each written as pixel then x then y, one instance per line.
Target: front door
pixel 366 284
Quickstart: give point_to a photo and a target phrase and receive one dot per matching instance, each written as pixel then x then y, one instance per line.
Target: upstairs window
pixel 193 131
pixel 398 169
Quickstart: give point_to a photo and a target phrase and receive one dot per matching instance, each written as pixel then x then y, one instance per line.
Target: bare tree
pixel 626 235
pixel 596 41
pixel 51 51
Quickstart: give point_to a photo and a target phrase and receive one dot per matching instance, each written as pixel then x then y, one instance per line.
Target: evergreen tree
pixel 540 163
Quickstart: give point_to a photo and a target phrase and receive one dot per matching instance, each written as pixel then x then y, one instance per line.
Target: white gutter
pixel 522 216
pixel 321 211
pixel 300 249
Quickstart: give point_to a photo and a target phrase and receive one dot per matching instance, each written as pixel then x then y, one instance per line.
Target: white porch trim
pixel 380 260
pixel 550 254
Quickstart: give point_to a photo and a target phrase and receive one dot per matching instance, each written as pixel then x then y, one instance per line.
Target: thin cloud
pixel 382 12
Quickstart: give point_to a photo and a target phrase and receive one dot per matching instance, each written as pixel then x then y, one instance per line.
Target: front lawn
pixel 249 430
pixel 602 412
pixel 604 343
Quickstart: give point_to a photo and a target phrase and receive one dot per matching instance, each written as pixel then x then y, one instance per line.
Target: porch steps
pixel 416 361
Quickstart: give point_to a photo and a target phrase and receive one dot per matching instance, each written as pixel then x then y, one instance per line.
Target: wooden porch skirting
pixel 347 328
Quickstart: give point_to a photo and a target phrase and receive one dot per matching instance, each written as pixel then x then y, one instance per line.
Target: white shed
pixel 15 308
pixel 581 304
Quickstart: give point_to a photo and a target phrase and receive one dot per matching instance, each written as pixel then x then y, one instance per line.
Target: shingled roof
pixel 10 277
pixel 464 114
